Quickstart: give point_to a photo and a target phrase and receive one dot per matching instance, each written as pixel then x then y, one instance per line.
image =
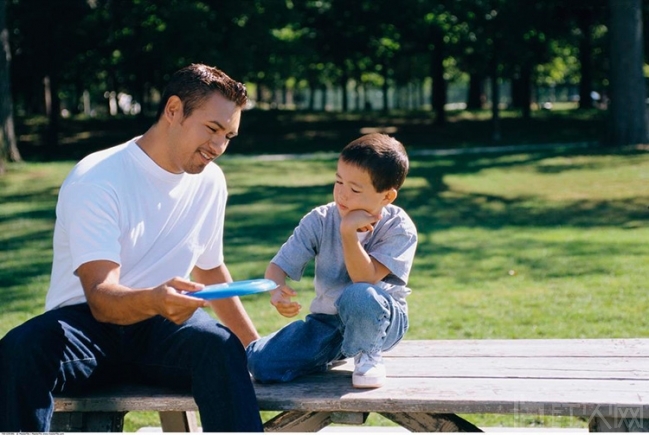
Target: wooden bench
pixel 605 381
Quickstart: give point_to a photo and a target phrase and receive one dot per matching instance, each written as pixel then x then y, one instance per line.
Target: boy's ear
pixel 390 196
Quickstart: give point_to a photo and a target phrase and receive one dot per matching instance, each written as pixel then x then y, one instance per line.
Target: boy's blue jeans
pixel 66 351
pixel 368 320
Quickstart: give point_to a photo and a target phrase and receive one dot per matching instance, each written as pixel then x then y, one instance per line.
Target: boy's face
pixel 353 190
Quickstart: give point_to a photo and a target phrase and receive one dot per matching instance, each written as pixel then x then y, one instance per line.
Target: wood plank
pixel 333 392
pixel 458 395
pixel 606 378
pixel 627 347
pixel 516 367
pixel 128 398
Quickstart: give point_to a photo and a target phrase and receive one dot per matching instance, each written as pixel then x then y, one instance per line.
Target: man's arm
pixel 111 302
pixel 230 310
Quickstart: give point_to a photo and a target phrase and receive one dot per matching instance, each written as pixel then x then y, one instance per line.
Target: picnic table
pixel 430 383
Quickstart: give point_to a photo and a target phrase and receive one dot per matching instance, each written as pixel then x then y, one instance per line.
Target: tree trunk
pixel 53 110
pixel 312 92
pixel 323 89
pixel 386 88
pixel 475 95
pixel 628 114
pixel 367 105
pixel 439 96
pixel 259 94
pixel 8 146
pixel 359 99
pixel 343 84
pixel 585 60
pixel 495 100
pixel 526 89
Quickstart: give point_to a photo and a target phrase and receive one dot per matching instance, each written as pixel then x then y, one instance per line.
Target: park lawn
pixel 547 244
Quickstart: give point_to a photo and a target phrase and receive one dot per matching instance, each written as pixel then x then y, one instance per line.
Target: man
pixel 139 227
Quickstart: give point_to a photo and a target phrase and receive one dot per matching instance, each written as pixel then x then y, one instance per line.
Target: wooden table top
pixel 589 377
pixel 575 377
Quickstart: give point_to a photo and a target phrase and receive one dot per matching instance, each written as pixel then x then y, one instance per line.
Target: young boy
pixel 363 248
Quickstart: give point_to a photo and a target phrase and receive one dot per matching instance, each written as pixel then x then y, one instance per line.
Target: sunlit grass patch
pixel 520 245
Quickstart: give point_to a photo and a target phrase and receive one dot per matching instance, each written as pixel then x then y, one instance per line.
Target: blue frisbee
pixel 236 288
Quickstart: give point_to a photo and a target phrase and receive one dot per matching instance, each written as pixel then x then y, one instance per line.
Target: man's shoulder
pixel 97 160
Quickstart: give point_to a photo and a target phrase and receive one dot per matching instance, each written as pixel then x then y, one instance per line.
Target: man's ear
pixel 173 108
pixel 390 196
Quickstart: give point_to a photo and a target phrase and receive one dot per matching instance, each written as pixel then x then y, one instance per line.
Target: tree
pixel 628 114
pixel 8 147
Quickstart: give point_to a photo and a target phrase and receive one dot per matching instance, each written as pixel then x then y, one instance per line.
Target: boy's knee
pixel 262 368
pixel 255 363
pixel 359 296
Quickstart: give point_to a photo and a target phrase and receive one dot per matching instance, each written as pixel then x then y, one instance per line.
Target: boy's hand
pixel 358 220
pixel 281 299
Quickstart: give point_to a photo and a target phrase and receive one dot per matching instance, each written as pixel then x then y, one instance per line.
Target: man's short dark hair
pixel 195 83
pixel 382 156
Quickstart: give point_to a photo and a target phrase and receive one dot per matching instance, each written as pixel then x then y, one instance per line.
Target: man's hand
pixel 174 305
pixel 111 302
pixel 281 299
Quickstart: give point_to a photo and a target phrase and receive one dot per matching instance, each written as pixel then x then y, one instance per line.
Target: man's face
pixel 353 190
pixel 204 135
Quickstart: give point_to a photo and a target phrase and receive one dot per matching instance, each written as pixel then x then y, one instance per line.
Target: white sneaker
pixel 369 371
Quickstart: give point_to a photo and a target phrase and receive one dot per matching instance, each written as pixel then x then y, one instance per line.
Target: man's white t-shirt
pixel 119 205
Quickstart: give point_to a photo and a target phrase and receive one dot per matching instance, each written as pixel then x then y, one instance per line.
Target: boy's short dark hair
pixel 195 83
pixel 382 156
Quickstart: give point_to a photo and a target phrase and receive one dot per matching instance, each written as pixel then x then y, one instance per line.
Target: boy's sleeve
pixel 300 248
pixel 396 251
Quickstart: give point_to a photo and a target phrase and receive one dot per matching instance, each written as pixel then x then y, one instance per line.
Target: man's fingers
pixel 182 284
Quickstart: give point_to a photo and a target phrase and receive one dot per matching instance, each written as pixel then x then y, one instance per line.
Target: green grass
pixel 522 245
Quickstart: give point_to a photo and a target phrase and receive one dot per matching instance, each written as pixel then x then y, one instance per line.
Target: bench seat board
pixel 589 348
pixel 587 378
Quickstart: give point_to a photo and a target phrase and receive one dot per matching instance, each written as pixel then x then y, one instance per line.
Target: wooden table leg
pixel 616 424
pixel 179 421
pixel 87 422
pixel 298 421
pixel 428 422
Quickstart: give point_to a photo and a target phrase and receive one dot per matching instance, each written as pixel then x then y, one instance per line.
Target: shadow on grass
pixel 255 236
pixel 432 210
pixel 278 132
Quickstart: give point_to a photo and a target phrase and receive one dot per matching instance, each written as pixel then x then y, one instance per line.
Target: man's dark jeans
pixel 67 350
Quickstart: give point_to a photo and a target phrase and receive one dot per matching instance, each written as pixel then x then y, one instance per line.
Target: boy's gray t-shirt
pixel 392 242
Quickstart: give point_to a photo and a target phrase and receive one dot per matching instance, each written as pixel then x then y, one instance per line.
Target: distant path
pixel 424 152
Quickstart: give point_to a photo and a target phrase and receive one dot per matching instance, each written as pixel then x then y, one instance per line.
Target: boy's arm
pixel 361 267
pixel 281 297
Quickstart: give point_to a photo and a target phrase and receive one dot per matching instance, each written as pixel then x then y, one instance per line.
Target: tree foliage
pixel 73 51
